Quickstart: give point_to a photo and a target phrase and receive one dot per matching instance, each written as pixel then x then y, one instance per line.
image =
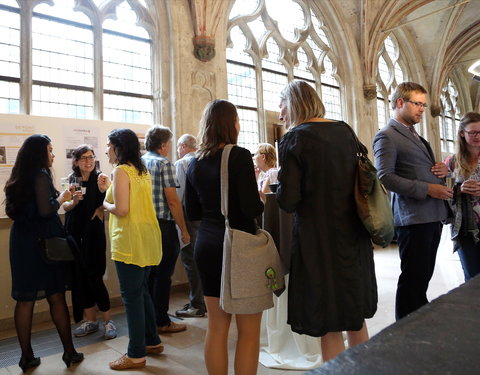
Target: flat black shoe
pixel 26 363
pixel 70 358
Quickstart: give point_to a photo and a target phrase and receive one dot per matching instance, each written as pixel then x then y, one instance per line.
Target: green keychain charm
pixel 271 278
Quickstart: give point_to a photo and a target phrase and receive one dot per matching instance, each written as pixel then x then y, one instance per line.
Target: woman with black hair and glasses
pixel 32 203
pixel 135 243
pixel 84 221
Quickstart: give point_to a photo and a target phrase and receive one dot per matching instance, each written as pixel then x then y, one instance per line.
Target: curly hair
pixel 127 148
pixel 77 154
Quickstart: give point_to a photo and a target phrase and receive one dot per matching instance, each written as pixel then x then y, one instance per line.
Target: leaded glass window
pixel 9 57
pixel 449 118
pixel 69 75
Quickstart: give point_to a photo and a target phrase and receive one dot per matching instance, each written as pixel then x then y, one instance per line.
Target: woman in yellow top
pixel 135 242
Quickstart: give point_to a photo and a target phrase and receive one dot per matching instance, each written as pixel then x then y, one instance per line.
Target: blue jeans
pixel 161 276
pixel 469 254
pixel 139 310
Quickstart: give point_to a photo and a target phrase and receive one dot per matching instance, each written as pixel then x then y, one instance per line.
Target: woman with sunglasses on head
pixel 32 203
pixel 85 222
pixel 465 169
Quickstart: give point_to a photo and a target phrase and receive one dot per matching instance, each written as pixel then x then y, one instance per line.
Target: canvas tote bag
pixel 252 268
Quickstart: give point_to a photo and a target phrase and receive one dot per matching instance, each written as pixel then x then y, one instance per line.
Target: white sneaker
pixel 110 330
pixel 86 327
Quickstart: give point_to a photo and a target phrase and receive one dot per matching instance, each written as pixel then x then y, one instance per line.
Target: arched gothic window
pixel 270 43
pixel 390 73
pixel 79 68
pixel 9 57
pixel 450 117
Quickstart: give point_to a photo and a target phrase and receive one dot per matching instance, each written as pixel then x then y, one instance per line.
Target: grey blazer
pixel 404 165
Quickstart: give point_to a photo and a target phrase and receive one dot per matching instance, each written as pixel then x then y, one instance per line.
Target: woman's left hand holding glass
pixel 471 187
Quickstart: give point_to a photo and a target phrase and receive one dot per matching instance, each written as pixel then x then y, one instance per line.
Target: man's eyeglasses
pixel 85 158
pixel 418 104
pixel 472 133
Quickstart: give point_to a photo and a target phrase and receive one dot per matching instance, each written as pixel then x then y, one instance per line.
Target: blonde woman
pixel 465 167
pixel 265 159
pixel 332 275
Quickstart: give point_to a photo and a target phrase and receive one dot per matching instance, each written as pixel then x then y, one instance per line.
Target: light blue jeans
pixel 142 329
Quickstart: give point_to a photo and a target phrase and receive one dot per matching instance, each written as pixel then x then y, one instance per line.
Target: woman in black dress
pixel 332 274
pixel 219 127
pixel 32 203
pixel 84 221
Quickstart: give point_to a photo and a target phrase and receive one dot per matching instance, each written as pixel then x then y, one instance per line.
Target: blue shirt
pixel 163 176
pixel 181 167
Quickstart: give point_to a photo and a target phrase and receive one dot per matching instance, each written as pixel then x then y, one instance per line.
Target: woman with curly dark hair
pixel 135 243
pixel 32 203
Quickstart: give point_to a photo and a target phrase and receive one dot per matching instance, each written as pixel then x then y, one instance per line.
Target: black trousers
pixel 418 246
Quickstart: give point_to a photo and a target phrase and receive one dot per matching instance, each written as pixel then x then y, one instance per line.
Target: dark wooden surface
pixel 443 337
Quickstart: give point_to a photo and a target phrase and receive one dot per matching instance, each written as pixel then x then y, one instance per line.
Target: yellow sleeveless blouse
pixel 136 238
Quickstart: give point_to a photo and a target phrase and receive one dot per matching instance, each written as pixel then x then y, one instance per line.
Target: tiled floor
pixel 184 351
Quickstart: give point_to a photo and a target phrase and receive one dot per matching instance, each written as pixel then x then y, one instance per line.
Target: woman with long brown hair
pixel 219 127
pixel 465 169
pixel 32 203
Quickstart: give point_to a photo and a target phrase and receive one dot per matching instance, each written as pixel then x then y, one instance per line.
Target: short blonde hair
pixel 404 90
pixel 302 102
pixel 270 154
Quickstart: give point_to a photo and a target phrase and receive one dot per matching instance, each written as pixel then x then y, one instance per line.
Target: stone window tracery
pixel 270 43
pixel 450 117
pixel 390 72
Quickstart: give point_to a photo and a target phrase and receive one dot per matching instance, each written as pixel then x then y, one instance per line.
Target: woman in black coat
pixel 32 203
pixel 332 276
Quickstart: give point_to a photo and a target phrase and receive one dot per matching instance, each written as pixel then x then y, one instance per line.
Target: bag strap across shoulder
pixel 224 181
pixel 361 149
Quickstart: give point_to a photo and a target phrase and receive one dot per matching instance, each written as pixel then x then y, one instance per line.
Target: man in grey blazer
pixel 406 166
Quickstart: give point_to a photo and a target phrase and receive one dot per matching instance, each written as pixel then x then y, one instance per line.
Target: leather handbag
pixel 252 268
pixel 57 249
pixel 371 198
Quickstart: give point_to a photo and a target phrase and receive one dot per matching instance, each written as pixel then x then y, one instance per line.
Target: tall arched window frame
pixel 270 43
pixel 391 72
pixel 80 59
pixel 450 117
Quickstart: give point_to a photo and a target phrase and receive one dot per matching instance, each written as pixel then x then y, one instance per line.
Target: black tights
pixel 60 317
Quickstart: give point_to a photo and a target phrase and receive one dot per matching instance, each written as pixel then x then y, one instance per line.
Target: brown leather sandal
pixel 125 363
pixel 157 349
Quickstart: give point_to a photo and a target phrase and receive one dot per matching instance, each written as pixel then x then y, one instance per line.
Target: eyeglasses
pixel 418 104
pixel 472 133
pixel 85 158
